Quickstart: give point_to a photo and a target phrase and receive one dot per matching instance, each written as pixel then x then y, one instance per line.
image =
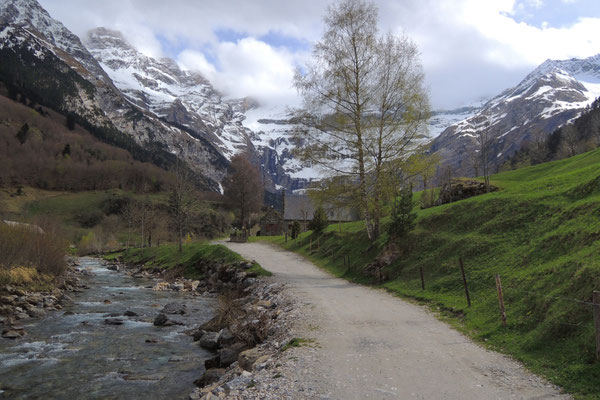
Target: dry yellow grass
pixel 22 276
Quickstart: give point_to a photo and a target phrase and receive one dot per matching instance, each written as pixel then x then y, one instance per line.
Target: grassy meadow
pixel 539 233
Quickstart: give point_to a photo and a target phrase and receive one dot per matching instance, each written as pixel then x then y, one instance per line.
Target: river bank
pixel 252 336
pixel 18 304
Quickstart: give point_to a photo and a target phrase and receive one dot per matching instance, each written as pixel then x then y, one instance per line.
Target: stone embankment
pixel 17 304
pixel 249 334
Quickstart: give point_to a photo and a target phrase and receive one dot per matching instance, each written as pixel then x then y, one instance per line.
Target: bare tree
pixel 181 201
pixel 484 142
pixel 128 213
pixel 364 104
pixel 570 141
pixel 243 187
pixel 538 147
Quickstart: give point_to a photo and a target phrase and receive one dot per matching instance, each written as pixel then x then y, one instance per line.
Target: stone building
pixel 272 223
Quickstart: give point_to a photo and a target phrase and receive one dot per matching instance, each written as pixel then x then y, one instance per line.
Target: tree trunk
pixel 179 238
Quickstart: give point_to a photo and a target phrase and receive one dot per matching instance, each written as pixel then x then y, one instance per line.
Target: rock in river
pixel 113 321
pixel 175 308
pixel 11 334
pixel 161 320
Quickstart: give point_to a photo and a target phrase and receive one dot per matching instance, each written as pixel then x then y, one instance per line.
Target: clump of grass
pixel 297 342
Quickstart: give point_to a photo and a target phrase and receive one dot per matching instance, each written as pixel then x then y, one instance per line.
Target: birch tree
pixel 364 104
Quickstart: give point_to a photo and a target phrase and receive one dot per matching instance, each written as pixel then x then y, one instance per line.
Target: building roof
pixel 302 208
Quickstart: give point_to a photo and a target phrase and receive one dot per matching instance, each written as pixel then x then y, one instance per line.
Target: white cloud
pixel 249 67
pixel 470 48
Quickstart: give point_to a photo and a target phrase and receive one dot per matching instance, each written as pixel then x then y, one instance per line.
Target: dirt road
pixel 376 346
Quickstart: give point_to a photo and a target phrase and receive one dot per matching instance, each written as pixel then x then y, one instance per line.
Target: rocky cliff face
pixel 31 41
pixel 553 94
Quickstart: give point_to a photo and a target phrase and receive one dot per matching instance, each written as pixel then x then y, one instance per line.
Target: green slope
pixel 539 233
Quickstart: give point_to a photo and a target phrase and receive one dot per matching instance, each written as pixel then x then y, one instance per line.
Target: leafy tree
pixel 319 221
pixel 243 187
pixel 403 215
pixel 23 133
pixel 365 106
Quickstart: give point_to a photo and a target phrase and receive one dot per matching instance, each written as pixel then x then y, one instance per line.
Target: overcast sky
pixel 470 49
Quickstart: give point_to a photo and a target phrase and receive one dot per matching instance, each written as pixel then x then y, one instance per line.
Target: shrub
pixel 24 246
pixel 402 214
pixel 295 229
pixel 319 221
pixel 89 218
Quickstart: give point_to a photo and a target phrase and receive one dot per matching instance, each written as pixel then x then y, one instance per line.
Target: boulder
pixel 210 340
pixel 161 320
pixel 175 308
pixel 21 315
pixel 113 321
pixel 210 376
pixel 213 362
pixel 459 189
pixel 226 337
pixel 160 286
pixel 129 313
pixel 247 358
pixel 11 334
pixel 229 355
pixel 36 312
pixel 113 267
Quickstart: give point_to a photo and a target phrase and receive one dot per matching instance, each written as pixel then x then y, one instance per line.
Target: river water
pixel 72 354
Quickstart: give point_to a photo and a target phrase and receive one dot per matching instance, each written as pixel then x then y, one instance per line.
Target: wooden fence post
pixel 596 307
pixel 501 299
pixel 422 278
pixel 464 278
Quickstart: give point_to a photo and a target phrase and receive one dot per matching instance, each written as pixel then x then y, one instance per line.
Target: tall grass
pixel 24 246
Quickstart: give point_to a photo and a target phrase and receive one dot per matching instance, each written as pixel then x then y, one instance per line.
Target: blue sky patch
pixel 554 13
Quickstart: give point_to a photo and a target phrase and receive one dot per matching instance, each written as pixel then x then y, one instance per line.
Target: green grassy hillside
pixel 539 233
pixel 168 257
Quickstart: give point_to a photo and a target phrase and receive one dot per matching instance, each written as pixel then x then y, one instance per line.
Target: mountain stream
pixel 74 354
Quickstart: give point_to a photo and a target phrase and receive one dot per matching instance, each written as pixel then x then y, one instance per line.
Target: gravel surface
pixel 367 344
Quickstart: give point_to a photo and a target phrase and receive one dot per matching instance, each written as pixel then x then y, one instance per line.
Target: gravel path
pixel 371 345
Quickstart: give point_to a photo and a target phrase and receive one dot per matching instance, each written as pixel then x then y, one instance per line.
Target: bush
pixel 25 246
pixel 319 221
pixel 402 214
pixel 89 218
pixel 295 229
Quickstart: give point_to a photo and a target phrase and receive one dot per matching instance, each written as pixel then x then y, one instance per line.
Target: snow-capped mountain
pixel 43 58
pixel 163 88
pixel 551 95
pixel 187 99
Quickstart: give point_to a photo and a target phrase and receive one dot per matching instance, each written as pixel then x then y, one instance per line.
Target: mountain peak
pixel 101 38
